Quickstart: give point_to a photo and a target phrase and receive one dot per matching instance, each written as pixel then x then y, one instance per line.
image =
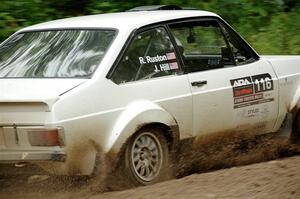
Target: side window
pixel 151 54
pixel 202 45
pixel 242 53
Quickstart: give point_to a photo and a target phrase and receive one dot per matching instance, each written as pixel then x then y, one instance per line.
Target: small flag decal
pixel 171 56
pixel 173 65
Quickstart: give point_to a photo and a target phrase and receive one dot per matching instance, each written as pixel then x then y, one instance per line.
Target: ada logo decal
pixel 250 90
pixel 241 82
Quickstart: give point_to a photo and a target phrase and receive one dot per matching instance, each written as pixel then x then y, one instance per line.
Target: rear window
pixel 54 54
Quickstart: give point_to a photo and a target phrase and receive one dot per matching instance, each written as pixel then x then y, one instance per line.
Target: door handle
pixel 199 83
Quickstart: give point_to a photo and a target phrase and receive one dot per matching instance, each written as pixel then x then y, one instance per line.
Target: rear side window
pixel 151 54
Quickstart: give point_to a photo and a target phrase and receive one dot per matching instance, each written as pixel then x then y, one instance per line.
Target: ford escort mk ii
pixel 131 86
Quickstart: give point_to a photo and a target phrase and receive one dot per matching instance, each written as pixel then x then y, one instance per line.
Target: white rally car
pixel 130 86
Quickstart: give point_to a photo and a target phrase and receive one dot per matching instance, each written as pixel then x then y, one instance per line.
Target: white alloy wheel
pixel 147 156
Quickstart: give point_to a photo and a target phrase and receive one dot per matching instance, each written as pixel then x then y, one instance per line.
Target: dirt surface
pixel 274 179
pixel 211 171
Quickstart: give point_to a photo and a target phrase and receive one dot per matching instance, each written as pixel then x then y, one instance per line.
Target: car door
pixel 232 90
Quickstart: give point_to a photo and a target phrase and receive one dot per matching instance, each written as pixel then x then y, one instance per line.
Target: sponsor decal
pixel 251 90
pixel 252 112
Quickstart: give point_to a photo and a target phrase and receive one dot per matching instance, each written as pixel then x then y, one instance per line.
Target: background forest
pixel 270 26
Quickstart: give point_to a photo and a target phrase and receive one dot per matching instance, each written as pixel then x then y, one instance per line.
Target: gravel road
pixel 260 168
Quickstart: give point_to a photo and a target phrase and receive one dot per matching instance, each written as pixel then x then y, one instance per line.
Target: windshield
pixel 54 54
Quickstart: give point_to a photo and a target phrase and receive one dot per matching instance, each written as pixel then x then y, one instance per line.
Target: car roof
pixel 120 21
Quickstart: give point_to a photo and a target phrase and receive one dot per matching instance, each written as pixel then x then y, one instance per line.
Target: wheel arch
pixel 139 115
pixel 295 103
pixel 171 133
pixel 295 115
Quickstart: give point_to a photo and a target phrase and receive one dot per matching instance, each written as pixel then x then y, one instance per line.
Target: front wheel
pixel 146 157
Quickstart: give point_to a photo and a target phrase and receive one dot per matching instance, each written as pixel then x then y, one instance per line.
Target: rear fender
pixel 135 116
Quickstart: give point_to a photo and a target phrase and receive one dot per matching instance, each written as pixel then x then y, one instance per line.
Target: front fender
pixel 136 115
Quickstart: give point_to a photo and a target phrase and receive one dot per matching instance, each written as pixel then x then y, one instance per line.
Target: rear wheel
pixel 147 157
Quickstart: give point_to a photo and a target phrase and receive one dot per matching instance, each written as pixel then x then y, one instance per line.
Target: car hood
pixel 35 90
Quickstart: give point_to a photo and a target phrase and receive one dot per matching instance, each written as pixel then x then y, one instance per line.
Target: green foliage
pixel 21 13
pixel 270 26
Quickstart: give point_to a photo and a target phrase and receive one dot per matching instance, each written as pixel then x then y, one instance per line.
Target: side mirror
pixel 240 58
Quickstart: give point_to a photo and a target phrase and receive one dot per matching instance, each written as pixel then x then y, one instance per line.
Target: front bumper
pixel 23 156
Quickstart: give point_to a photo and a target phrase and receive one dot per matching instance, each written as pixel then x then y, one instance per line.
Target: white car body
pixel 97 115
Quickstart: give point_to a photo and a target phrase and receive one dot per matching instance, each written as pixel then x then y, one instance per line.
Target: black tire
pixel 147 157
pixel 295 135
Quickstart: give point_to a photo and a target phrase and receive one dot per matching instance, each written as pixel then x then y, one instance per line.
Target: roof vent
pixel 155 7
